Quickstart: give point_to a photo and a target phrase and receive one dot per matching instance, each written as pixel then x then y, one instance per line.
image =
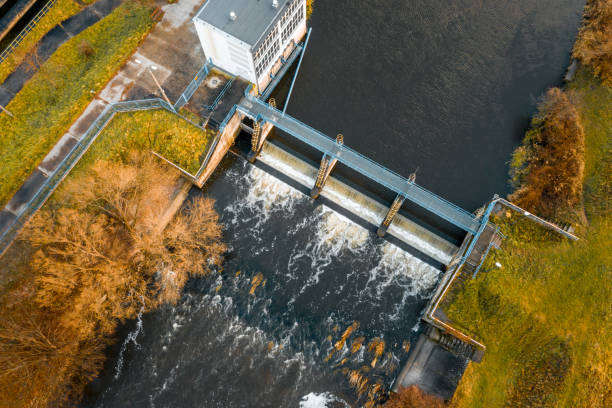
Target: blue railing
pixel 256 108
pixel 218 98
pixel 24 33
pixel 193 86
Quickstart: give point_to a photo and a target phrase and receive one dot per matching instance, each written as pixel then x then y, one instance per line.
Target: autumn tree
pixel 413 397
pixel 101 258
pixel 594 44
pixel 548 169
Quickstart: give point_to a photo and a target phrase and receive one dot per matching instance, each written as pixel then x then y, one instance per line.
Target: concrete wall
pixel 225 51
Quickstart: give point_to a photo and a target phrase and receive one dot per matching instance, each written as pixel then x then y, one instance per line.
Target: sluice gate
pixel 364 207
pixel 263 113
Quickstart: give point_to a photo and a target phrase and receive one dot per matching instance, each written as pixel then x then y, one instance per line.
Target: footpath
pixel 47 45
pixel 171 52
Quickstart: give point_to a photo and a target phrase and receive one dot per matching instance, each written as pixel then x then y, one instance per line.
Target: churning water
pixel 445 87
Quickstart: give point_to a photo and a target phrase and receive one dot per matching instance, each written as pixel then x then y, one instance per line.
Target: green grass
pixel 56 95
pixel 159 130
pixel 61 10
pixel 545 316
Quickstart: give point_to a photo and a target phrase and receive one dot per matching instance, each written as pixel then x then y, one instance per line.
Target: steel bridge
pixel 260 111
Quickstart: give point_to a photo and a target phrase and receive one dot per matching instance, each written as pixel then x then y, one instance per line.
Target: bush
pixel 548 169
pixel 413 397
pixel 594 44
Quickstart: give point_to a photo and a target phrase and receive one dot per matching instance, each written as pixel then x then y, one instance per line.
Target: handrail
pixel 395 182
pixel 433 306
pixel 27 29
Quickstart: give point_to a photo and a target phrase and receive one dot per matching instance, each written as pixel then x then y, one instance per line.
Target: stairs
pixel 454 345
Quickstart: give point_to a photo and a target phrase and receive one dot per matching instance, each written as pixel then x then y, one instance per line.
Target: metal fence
pixel 72 159
pixel 23 34
pixel 443 208
pixel 193 86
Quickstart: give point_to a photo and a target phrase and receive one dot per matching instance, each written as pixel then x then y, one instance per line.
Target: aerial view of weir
pixel 312 309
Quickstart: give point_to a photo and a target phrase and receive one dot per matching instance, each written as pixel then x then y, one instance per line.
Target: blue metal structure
pixel 259 110
pixel 218 98
pixel 193 86
pixel 297 70
pixel 281 72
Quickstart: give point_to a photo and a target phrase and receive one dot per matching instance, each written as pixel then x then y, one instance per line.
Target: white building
pixel 251 38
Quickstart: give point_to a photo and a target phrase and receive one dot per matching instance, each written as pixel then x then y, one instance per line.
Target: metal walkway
pixel 257 109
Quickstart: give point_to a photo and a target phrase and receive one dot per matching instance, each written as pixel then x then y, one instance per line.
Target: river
pixel 442 88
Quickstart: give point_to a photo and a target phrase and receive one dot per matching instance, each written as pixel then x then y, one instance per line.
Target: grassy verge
pixel 62 10
pixel 161 131
pixel 158 130
pixel 545 316
pixel 57 94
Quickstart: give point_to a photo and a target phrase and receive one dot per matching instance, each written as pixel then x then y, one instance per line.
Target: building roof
pixel 253 21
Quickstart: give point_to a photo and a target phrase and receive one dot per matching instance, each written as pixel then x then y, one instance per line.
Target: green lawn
pixel 546 315
pixel 61 10
pixel 54 98
pixel 158 130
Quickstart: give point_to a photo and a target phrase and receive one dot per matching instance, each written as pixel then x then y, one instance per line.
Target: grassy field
pixel 62 10
pixel 57 94
pixel 159 130
pixel 545 315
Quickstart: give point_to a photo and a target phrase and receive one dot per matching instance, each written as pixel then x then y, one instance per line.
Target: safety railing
pixel 72 159
pixel 193 86
pixel 24 33
pixel 388 178
pixel 227 86
pixel 453 273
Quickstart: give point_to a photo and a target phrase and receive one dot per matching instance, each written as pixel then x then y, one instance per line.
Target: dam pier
pixel 246 128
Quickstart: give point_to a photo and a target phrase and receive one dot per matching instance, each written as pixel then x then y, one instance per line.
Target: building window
pixel 266 52
pixel 290 11
pixel 293 23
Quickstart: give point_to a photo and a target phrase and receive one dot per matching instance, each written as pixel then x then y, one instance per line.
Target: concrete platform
pixel 432 368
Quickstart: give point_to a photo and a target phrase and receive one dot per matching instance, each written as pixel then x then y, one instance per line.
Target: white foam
pixel 314 400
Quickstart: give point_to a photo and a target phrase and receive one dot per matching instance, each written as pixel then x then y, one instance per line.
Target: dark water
pixel 445 87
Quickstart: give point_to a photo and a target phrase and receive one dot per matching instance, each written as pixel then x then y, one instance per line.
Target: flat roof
pixel 254 18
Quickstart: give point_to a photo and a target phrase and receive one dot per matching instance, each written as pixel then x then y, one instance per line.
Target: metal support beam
pixel 397 203
pixel 297 70
pixel 255 141
pixel 327 165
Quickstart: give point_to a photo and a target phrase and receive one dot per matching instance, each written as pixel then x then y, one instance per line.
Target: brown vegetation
pixel 594 44
pixel 548 170
pixel 99 259
pixel 413 397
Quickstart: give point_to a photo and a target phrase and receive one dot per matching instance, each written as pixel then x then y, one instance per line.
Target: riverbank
pixel 62 88
pixel 544 314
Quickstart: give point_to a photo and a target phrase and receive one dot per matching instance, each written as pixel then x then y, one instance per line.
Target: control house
pixel 251 38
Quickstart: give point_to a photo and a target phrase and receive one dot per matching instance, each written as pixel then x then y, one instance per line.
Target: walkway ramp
pixel 257 109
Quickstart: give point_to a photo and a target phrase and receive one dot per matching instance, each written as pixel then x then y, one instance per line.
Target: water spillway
pixel 359 204
pixel 446 87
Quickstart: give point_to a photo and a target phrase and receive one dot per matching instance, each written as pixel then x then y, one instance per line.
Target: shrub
pixel 548 169
pixel 594 44
pixel 413 397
